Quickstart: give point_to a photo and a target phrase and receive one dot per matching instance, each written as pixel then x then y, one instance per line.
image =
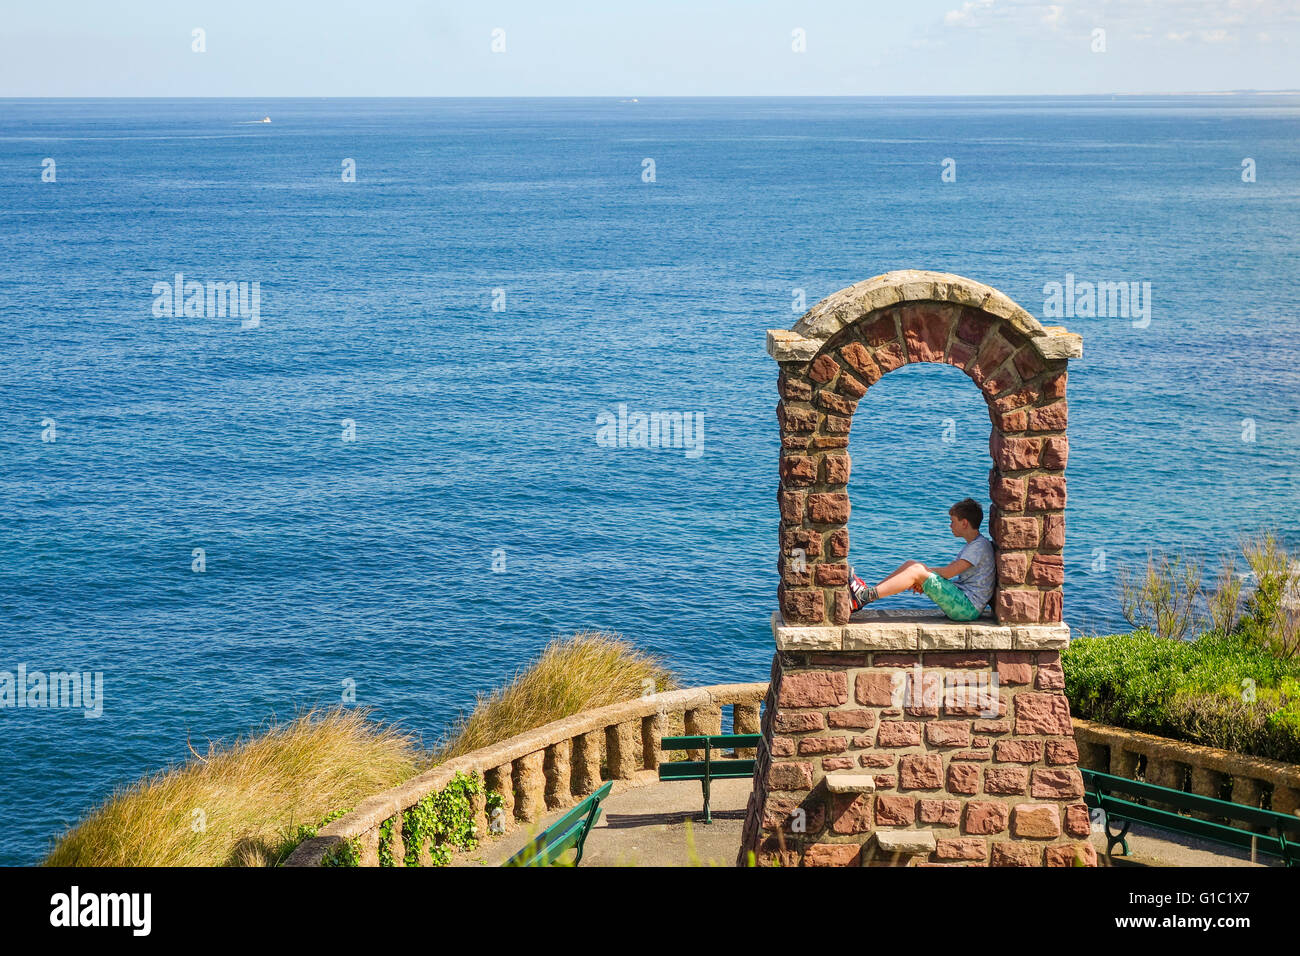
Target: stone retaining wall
pixel 1208 771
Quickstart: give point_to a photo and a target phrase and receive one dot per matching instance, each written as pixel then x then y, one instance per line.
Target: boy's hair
pixel 968 510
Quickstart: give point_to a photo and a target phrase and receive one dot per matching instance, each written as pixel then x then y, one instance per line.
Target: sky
pixel 651 48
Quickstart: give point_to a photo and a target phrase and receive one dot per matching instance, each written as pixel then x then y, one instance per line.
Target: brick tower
pixel 904 738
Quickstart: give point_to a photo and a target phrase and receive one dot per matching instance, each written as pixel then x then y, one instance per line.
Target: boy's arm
pixel 954 569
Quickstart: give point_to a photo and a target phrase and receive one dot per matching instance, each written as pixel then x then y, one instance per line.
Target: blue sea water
pixel 372 561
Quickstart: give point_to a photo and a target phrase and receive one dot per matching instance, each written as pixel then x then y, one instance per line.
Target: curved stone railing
pixel 1207 771
pixel 553 766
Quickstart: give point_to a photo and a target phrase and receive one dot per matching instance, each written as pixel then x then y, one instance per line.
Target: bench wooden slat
pixel 716 741
pixel 564 834
pixel 694 769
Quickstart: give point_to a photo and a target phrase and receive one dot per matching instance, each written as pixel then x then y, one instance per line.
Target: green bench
pixel 566 833
pixel 710 768
pixel 1127 801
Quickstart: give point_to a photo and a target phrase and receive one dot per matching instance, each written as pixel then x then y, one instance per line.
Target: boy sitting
pixel 961 589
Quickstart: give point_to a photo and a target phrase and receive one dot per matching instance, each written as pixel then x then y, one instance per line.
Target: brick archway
pixel 843 346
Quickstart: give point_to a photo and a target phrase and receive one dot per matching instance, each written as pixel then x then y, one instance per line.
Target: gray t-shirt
pixel 976 582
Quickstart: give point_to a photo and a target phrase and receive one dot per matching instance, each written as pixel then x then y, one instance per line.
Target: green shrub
pixel 1220 690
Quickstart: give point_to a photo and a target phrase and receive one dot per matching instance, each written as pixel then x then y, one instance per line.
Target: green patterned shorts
pixel 950 598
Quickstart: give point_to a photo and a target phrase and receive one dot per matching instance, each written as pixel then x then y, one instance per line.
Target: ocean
pixel 389 478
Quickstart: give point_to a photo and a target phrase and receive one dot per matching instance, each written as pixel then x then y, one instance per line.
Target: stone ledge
pixel 843 782
pixel 906 841
pixel 917 630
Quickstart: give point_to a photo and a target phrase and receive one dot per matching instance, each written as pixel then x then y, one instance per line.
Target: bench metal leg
pixel 1113 838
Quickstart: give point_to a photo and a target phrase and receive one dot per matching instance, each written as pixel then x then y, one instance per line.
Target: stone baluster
pixel 745 720
pixel 702 721
pixel 1092 755
pixel 621 742
pixel 502 780
pixel 1165 773
pixel 1286 799
pixel 586 763
pixel 559 774
pixel 370 847
pixel 530 786
pixel 1205 783
pixel 1123 763
pixel 652 732
pixel 399 844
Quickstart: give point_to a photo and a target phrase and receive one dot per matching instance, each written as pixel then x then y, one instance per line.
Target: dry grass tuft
pixel 236 805
pixel 588 670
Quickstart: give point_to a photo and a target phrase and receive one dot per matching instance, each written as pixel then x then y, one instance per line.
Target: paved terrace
pixel 656 824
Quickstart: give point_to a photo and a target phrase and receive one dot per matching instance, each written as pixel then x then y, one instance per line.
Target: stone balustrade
pixel 1206 771
pixel 551 767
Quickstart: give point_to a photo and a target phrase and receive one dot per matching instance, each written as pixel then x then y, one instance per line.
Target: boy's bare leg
pixel 909 575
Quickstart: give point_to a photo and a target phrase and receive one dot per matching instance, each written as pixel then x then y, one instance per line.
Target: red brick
pixel 837 763
pixel 881 330
pixel 923 700
pixel 1063 784
pixel 1028 362
pixel 794 389
pixel 986 818
pixel 963 778
pixel 1036 820
pixel 956 659
pixel 973 325
pixel 1015 667
pixel 920 772
pixel 795 723
pixel 895 811
pixel 859 719
pixel 1012 533
pixel 1050 418
pixel 1018 607
pixel 835 403
pixel 1071 854
pixel 1047 713
pixel 944 813
pixel 898 733
pixel 1018 751
pixel 833 854
pixel 948 733
pixel 1008 493
pixel 790 776
pixel 874 688
pixel 1056 452
pixel 828 508
pixel 794 419
pixel 1016 854
pixel 884 781
pixel 837 546
pixel 1078 821
pixel 890 357
pixel 992 726
pixel 792 503
pixel 1012 567
pixel 1014 454
pixel 823 369
pixel 1050 677
pixel 783 813
pixel 813 689
pixel 851 813
pixel 1052 609
pixel 835 469
pixel 1062 751
pixel 968 848
pixel 877 760
pixel 859 359
pixel 1047 570
pixel 925 329
pixel 1053 532
pixel 1046 493
pixel 823 745
pixel 782 747
pixel 798 470
pixel 1005 780
pixel 850 386
pixel 831 575
pixel 1054 387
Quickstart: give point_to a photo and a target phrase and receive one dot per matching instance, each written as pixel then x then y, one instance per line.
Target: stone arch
pixel 844 345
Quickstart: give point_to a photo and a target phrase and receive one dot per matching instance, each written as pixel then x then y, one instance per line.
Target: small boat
pixel 266 119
